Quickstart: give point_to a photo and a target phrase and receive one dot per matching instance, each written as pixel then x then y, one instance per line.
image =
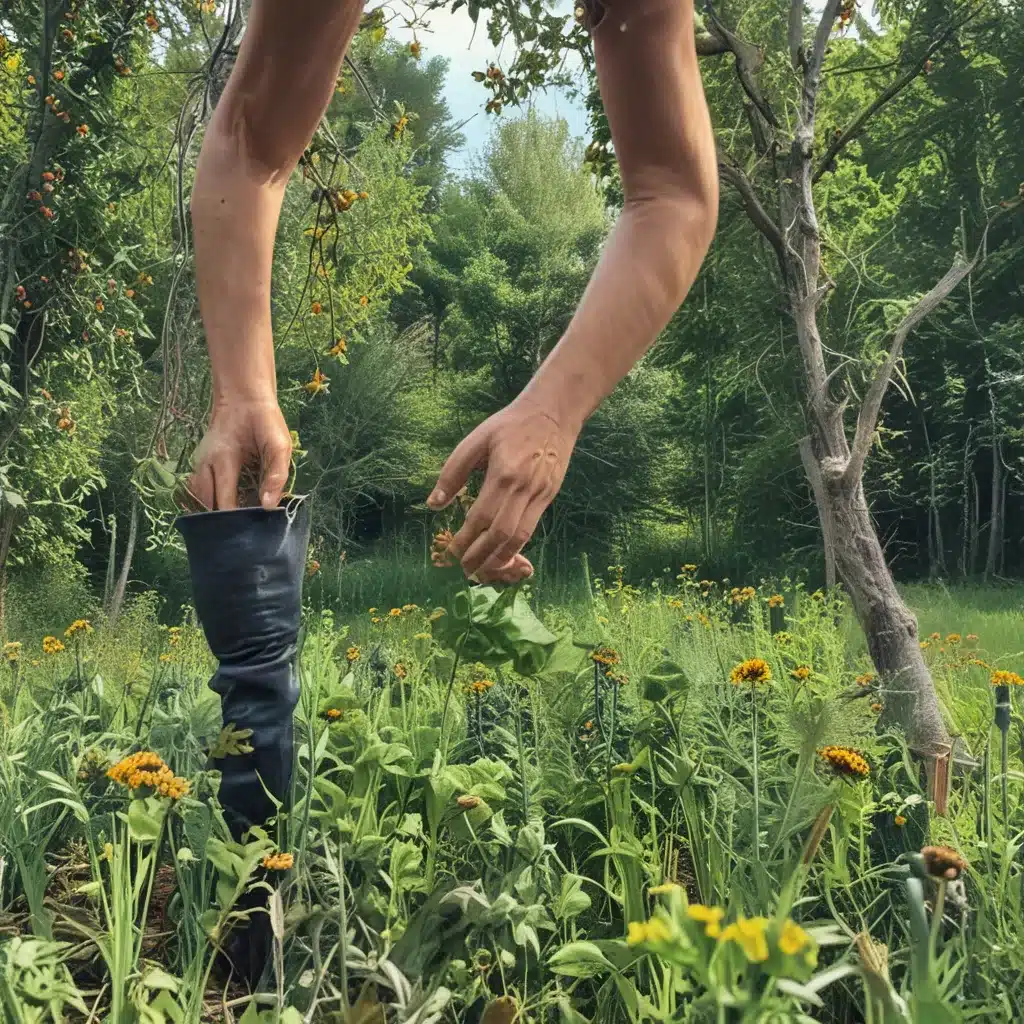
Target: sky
pixel 452 36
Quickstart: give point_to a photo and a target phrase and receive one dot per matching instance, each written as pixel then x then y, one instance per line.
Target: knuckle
pixel 521 538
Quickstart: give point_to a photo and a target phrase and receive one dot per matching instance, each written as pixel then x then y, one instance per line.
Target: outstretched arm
pixel 279 88
pixel 661 130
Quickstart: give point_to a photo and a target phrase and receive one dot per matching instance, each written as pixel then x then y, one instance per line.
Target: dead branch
pixel 885 96
pixel 754 209
pixel 812 64
pixel 749 59
pixel 871 408
pixel 817 482
pixel 796 33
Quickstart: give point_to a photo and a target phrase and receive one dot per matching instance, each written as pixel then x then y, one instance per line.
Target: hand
pixel 242 432
pixel 525 452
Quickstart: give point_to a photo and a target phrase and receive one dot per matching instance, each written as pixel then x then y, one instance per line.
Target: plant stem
pixel 756 767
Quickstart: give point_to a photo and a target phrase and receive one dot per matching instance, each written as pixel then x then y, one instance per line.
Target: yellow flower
pixel 972 637
pixel 925 644
pixel 605 656
pixel 51 645
pixel 415 49
pixel 934 636
pixel 801 672
pixel 899 821
pixel 78 626
pixel 866 679
pixel 710 917
pixel 166 657
pixel 738 596
pixel 689 567
pixel 279 861
pixel 339 348
pixel 750 934
pixel 665 888
pixel 845 761
pixel 953 638
pixel 674 602
pixel 147 769
pixel 316 308
pixel 317 383
pixel 793 939
pixel 12 650
pixel 395 612
pixel 376 620
pixel 401 671
pixel 654 930
pixel 1000 677
pixel 364 300
pixel 108 852
pixel 753 670
pixel 776 601
pixel 410 607
pixel 423 636
pixel 353 654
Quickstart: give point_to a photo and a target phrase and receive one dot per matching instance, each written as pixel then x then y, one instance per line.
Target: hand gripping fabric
pixel 247 567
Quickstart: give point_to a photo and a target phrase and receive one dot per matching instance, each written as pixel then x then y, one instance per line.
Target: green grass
pixel 502 852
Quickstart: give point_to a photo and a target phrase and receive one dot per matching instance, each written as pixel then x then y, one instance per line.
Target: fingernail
pixel 437 498
pixel 268 501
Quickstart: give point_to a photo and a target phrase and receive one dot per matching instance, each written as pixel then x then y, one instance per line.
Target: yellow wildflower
pixel 51 645
pixel 710 917
pixel 776 601
pixel 793 939
pixel 689 567
pixel 750 934
pixel 353 654
pixel 339 348
pixel 423 636
pixel 953 638
pixel 866 679
pixel 1000 677
pixel 317 383
pixel 400 670
pixel 753 670
pixel 12 650
pixel 654 930
pixel 801 673
pixel 899 821
pixel 972 637
pixel 665 888
pixel 395 612
pixel 410 607
pixel 279 861
pixel 78 626
pixel 845 761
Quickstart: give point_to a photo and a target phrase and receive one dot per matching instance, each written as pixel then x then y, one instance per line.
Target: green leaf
pixel 231 742
pixel 145 820
pixel 665 679
pixel 579 960
pixel 572 900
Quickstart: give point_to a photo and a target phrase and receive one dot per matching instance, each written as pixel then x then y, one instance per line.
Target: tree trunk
pixel 889 626
pixel 995 522
pixel 117 597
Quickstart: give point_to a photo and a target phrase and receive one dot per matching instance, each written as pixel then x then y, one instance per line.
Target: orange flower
pixel 845 761
pixel 316 309
pixel 943 863
pixel 317 383
pixel 83 130
pixel 415 49
pixel 59 76
pixel 151 22
pixel 339 348
pixel 899 821
pixel 364 300
pixel 99 306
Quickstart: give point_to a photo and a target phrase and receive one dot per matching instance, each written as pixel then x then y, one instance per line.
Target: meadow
pixel 668 802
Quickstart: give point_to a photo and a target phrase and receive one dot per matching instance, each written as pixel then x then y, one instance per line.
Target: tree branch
pixel 812 64
pixel 889 93
pixel 796 33
pixel 754 209
pixel 748 60
pixel 871 408
pixel 711 44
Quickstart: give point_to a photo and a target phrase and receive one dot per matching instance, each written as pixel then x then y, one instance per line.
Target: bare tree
pixel 833 459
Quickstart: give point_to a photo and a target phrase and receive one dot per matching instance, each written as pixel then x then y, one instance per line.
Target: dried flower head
pixel 468 802
pixel 943 862
pixel 606 656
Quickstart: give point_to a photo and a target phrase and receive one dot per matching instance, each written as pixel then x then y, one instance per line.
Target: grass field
pixel 639 824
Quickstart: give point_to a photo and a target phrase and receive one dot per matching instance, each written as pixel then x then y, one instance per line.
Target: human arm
pixel 278 90
pixel 661 130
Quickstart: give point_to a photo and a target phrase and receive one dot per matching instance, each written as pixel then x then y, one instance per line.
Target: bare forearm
pixel 650 83
pixel 234 216
pixel 280 86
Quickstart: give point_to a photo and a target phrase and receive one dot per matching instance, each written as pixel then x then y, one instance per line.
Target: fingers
pixel 505 551
pixel 492 525
pixel 469 455
pixel 225 470
pixel 278 461
pixel 519 568
pixel 200 487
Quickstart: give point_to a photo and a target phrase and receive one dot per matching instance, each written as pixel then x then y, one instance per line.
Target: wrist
pixel 564 398
pixel 233 395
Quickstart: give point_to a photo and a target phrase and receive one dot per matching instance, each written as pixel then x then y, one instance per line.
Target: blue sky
pixel 452 36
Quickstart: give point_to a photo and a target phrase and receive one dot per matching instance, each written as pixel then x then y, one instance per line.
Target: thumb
pixel 277 465
pixel 469 455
